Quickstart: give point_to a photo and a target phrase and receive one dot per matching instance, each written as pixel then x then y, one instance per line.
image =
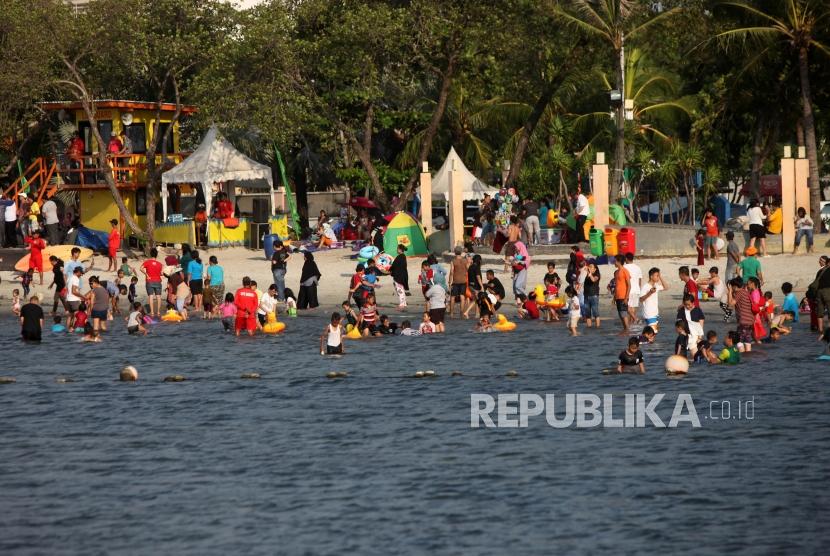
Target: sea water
pixel 382 463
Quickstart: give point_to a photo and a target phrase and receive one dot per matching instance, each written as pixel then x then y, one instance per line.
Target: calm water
pixel 381 463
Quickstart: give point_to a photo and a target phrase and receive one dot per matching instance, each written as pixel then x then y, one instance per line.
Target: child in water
pixel 631 356
pixel 131 292
pixel 290 303
pixel 333 336
pixel 573 310
pixel 647 335
pixel 81 318
pixel 407 330
pixel 427 327
pixel 349 314
pixel 16 302
pixel 58 327
pixel 704 351
pixel 135 320
pixel 483 325
pixel 527 306
pixel 768 310
pixel 681 344
pixel 780 322
pixel 730 354
pixel 386 327
pixel 26 281
pixel 227 312
pixel 91 335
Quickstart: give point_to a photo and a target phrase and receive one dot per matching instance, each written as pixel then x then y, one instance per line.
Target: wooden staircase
pixel 35 181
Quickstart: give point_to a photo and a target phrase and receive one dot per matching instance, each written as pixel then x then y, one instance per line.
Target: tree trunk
pixel 536 114
pixel 757 161
pixel 363 150
pixel 619 149
pixel 447 77
pixel 810 138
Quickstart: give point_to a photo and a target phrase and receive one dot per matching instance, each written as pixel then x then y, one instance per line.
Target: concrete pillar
pixel 426 199
pixel 455 209
pixel 279 199
pixel 505 171
pixel 600 176
pixel 802 187
pixel 788 204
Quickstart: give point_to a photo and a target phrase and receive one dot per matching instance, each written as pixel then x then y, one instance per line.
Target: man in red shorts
pixel 246 306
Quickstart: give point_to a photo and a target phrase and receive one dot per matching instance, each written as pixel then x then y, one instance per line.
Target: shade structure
pixel 216 160
pixel 472 188
pixel 404 229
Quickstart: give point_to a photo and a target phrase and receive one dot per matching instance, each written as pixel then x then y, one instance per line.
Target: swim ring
pixel 823 358
pixel 272 325
pixel 556 303
pixel 366 253
pixel 539 290
pixel 352 332
pixel 172 316
pixel 384 262
pixel 504 325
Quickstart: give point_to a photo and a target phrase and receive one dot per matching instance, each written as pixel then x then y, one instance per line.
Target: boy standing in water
pixel 333 336
pixel 650 298
pixel 622 285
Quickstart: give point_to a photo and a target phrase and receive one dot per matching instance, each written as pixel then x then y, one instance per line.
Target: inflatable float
pixel 63 252
pixel 272 325
pixel 352 332
pixel 366 253
pixel 384 262
pixel 504 325
pixel 172 316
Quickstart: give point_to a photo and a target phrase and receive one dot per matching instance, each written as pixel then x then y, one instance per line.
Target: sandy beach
pixel 336 266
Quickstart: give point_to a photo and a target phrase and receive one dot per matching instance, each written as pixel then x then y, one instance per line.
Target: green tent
pixel 404 229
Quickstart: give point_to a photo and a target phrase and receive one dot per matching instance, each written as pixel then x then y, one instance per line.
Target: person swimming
pixel 631 356
pixel 730 354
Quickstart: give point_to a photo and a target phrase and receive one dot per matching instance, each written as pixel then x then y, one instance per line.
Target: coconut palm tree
pixel 795 29
pixel 613 21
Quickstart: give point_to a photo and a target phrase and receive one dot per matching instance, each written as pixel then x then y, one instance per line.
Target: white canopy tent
pixel 216 160
pixel 472 188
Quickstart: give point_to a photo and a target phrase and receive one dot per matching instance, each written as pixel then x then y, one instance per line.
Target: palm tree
pixel 613 21
pixel 795 29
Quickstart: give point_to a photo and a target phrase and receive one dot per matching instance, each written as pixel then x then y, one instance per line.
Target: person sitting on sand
pixel 631 356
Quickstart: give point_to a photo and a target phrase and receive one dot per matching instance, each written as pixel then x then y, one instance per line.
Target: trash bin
pixel 597 242
pixel 626 241
pixel 268 244
pixel 611 241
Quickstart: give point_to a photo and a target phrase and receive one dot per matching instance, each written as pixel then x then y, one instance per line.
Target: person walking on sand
pixel 113 244
pixel 750 267
pixel 279 266
pixel 757 230
pixel 400 277
pixel 36 246
pixel 152 269
pixel 622 285
pixel 804 228
pixel 710 223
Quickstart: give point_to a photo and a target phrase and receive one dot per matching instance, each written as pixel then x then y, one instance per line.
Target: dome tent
pixel 404 229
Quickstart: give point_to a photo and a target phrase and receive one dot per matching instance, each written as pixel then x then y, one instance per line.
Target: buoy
pixel 677 365
pixel 7 380
pixel 504 325
pixel 352 333
pixel 331 374
pixel 250 375
pixel 172 316
pixel 272 325
pixel 64 379
pixel 337 374
pixel 429 374
pixel 456 373
pixel 419 374
pixel 128 374
pixel 512 373
pixel 174 378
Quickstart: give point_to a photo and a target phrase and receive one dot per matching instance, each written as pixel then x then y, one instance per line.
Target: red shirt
pixel 711 224
pixel 224 209
pixel 246 301
pixel 531 308
pixel 114 146
pixel 38 245
pixel 153 269
pixel 76 147
pixel 114 239
pixel 691 289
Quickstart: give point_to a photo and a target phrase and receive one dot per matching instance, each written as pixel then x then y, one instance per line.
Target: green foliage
pixel 392 179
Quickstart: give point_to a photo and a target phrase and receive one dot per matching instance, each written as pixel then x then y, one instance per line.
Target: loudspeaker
pixel 260 210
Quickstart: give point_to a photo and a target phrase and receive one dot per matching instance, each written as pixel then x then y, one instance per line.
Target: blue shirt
pixel 195 270
pixel 70 266
pixel 791 304
pixel 216 275
pixel 58 328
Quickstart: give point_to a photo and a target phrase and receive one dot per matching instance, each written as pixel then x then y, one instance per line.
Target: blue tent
pixel 93 239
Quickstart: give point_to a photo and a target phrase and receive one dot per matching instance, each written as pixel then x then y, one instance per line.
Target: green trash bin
pixel 597 241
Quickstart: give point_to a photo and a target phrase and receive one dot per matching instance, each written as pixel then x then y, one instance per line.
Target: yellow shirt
pixel 775 221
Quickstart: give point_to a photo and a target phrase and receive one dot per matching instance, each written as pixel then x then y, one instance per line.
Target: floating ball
pixel 512 373
pixel 250 375
pixel 456 373
pixel 64 379
pixel 174 378
pixel 128 374
pixel 7 380
pixel 677 365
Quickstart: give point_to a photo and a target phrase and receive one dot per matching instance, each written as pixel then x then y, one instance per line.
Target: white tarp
pixel 216 160
pixel 472 188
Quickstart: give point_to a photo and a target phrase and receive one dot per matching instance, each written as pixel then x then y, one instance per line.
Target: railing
pixel 128 170
pixel 37 177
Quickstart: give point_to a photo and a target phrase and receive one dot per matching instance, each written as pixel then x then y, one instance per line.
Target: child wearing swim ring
pixel 631 356
pixel 730 354
pixel 349 314
pixel 333 337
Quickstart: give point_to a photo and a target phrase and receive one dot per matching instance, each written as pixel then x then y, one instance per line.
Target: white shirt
pixel 573 308
pixel 582 208
pixel 333 339
pixel 74 282
pixel 650 305
pixel 267 304
pixel 50 212
pixel 756 216
pixel 636 277
pixel 134 319
pixel 11 213
pixel 437 297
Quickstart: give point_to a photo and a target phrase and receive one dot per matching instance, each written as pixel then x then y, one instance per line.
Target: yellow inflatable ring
pixel 504 325
pixel 172 316
pixel 272 325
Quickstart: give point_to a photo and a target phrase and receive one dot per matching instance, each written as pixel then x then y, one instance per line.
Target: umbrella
pixel 362 202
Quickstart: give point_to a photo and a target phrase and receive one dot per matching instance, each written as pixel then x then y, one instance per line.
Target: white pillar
pixel 426 199
pixel 455 210
pixel 788 204
pixel 600 178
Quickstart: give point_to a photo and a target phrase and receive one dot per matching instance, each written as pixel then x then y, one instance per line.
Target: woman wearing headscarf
pixel 308 283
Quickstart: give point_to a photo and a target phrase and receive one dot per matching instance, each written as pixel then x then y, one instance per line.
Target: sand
pixel 336 267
